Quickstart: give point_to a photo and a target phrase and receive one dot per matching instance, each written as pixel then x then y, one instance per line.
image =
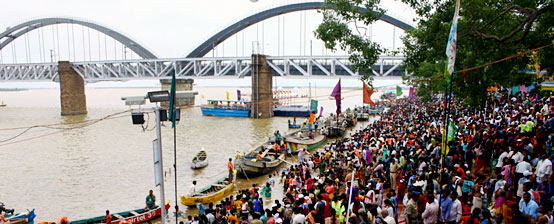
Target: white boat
pixel 200 160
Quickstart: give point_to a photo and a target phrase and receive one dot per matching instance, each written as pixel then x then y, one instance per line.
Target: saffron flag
pixel 367 95
pixel 336 93
pixel 452 40
pixel 398 91
pixel 238 95
pixel 172 106
pixel 411 95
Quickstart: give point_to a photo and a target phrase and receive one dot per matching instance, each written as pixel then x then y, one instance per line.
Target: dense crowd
pixel 495 169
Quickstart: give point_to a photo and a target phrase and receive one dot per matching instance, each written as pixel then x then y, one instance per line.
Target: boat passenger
pixel 259 156
pixel 277 136
pixel 108 217
pixel 230 169
pixel 151 200
pixel 192 189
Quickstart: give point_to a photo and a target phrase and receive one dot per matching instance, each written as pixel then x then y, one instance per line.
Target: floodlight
pixel 163 115
pixel 158 96
pixel 134 100
pixel 138 117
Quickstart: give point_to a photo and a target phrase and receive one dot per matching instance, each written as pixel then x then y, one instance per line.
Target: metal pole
pixel 175 163
pixel 159 137
pixel 350 194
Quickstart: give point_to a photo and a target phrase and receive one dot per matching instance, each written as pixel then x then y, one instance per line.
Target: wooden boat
pixel 212 193
pixel 133 216
pixel 21 218
pixel 248 166
pixel 299 139
pixel 294 126
pixel 200 160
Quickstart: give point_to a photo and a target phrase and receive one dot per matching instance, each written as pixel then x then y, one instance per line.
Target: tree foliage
pixel 488 30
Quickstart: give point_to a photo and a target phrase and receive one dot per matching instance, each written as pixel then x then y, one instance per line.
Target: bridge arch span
pixel 221 36
pixel 12 33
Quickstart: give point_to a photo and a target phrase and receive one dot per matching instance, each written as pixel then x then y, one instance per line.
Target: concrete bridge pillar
pixel 72 90
pixel 262 82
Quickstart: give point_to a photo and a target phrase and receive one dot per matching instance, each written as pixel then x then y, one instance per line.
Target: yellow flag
pixel 227 95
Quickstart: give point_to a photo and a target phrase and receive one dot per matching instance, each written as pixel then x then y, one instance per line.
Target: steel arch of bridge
pixel 221 36
pixel 12 33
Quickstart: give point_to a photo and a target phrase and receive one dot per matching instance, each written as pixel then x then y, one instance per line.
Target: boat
pixel 21 218
pixel 211 193
pixel 335 128
pixel 294 126
pixel 226 108
pixel 291 111
pixel 363 116
pixel 200 160
pixel 133 216
pixel 248 166
pixel 299 139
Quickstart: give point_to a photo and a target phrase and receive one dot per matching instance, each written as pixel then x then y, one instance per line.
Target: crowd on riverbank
pixel 496 169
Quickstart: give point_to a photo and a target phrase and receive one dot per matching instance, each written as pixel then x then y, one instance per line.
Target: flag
pixel 172 106
pixel 367 95
pixel 238 95
pixel 312 118
pixel 411 95
pixel 227 95
pixel 337 95
pixel 398 91
pixel 452 40
pixel 321 111
pixel 452 129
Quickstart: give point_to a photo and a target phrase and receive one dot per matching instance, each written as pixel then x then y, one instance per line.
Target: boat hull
pixel 199 165
pixel 25 217
pixel 224 112
pixel 291 113
pixel 249 167
pixel 190 201
pixel 142 215
pixel 295 144
pixel 293 126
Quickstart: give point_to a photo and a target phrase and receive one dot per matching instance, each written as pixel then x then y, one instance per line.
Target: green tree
pixel 488 30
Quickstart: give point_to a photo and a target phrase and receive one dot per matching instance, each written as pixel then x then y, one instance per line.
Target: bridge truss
pixel 230 67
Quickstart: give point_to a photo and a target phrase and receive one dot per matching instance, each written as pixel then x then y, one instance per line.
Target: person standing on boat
pixel 230 169
pixel 151 200
pixel 277 136
pixel 192 189
pixel 108 217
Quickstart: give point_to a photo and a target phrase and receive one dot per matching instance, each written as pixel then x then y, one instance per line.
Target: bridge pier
pixel 72 90
pixel 262 93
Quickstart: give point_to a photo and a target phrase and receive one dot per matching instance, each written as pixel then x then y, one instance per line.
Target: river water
pixel 81 172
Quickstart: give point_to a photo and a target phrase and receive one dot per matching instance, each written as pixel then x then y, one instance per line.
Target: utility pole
pixel 159 173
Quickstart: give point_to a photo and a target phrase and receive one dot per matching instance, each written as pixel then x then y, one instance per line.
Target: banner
pixel 337 94
pixel 452 40
pixel 313 106
pixel 172 101
pixel 367 95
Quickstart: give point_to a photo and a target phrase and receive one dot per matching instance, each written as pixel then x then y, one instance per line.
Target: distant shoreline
pixel 12 89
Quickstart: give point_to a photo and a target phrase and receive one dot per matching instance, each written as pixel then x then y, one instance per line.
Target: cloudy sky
pixel 170 28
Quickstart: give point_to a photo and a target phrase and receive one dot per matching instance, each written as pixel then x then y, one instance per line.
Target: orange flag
pixel 367 95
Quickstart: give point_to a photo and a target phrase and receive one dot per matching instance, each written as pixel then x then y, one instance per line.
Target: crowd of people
pixel 496 168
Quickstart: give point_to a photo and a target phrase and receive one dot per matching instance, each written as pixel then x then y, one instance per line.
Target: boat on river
pixel 21 218
pixel 200 160
pixel 212 193
pixel 226 108
pixel 300 139
pixel 291 111
pixel 132 216
pixel 248 166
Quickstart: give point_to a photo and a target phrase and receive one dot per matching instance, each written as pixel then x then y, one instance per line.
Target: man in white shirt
pixel 455 210
pixel 521 167
pixel 544 169
pixel 500 161
pixel 386 217
pixel 192 189
pixel 298 218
